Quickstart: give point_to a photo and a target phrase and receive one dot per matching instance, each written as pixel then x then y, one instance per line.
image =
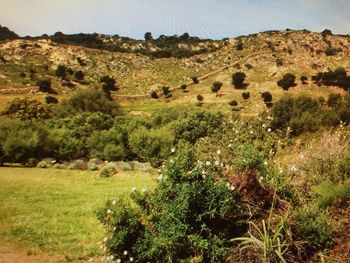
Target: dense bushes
pixel 92 100
pixel 303 113
pixel 20 141
pixel 152 145
pixel 26 109
pixel 188 216
pixel 337 77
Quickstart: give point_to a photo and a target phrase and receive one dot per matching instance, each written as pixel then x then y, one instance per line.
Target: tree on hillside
pixel 185 36
pixel 79 75
pixel 246 95
pixel 287 81
pixel 108 85
pixel 216 87
pixel 195 79
pixel 61 72
pixel 200 100
pixel 303 79
pixel 45 86
pixel 238 79
pixel 148 36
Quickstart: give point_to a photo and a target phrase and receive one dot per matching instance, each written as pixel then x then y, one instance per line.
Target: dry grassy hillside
pixel 265 57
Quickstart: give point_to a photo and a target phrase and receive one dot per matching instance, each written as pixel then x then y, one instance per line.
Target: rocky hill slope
pixel 264 57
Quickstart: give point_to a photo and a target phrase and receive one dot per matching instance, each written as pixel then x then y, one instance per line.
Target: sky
pixel 204 18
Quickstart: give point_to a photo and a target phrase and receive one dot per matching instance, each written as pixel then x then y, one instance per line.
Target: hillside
pixel 264 57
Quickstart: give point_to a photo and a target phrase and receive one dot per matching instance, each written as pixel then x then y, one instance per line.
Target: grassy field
pixel 55 210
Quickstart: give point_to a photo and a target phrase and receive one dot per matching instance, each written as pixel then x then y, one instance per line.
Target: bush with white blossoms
pixel 190 214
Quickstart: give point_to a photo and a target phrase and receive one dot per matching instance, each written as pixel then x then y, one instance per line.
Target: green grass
pixel 55 210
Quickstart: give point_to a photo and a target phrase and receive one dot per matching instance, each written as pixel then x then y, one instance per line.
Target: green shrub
pixel 287 81
pixel 327 194
pixel 108 170
pixel 114 152
pixel 152 145
pixel 315 227
pixel 45 86
pixel 238 79
pixel 26 109
pixel 187 216
pixel 91 100
pixel 197 124
pixel 21 141
pixel 109 145
pixel 343 165
pixel 300 114
pixel 334 100
pixel 66 146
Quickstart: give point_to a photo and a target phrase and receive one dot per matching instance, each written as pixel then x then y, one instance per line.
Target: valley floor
pixel 49 215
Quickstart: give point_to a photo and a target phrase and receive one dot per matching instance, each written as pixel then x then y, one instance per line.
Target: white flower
pixel 160 177
pixel 131 259
pixel 133 189
pixel 111 257
pixel 229 146
pixel 144 190
pixel 264 126
pixel 172 150
pixel 114 202
pixel 114 228
pixel 208 163
pixel 237 132
pixel 293 169
pixel 302 156
pixel 269 130
pixel 109 211
pixel 218 152
pixel 265 163
pixel 203 176
pixel 119 260
pixel 281 171
pixel 261 178
pixel 228 184
pixel 105 239
pixel 232 188
pixel 125 252
pixel 217 163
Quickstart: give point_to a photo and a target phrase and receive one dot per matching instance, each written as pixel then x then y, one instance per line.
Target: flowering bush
pixel 190 214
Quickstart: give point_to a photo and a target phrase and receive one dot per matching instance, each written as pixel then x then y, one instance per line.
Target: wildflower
pixel 228 185
pixel 111 257
pixel 237 132
pixel 109 211
pixel 114 202
pixel 229 146
pixel 144 190
pixel 119 260
pixel 217 163
pixel 131 259
pixel 251 132
pixel 218 152
pixel 232 188
pixel 265 163
pixel 172 150
pixel 269 130
pixel 160 177
pixel 293 169
pixel 208 163
pixel 125 252
pixel 105 239
pixel 114 228
pixel 264 126
pixel 133 189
